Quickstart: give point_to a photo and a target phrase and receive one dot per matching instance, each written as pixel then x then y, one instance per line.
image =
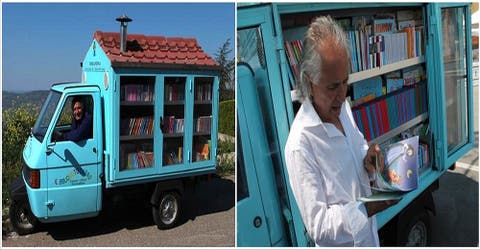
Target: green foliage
pixel 15 130
pixel 226 117
pixel 227 71
pixel 226 158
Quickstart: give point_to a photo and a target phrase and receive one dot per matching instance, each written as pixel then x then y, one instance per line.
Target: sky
pixel 44 43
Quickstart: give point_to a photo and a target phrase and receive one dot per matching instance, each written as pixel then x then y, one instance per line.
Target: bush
pixel 15 130
pixel 226 117
pixel 225 158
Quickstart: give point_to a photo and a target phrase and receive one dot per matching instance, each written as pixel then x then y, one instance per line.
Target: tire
pixel 22 219
pixel 418 233
pixel 166 213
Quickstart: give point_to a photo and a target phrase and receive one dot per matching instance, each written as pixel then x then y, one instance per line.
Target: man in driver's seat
pixel 82 125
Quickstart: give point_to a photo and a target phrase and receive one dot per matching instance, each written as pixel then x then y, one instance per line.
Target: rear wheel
pixel 166 213
pixel 418 231
pixel 22 218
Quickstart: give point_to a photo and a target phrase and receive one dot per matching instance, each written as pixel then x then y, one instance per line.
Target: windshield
pixel 48 109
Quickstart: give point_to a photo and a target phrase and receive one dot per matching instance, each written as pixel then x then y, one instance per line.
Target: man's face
pixel 78 111
pixel 329 94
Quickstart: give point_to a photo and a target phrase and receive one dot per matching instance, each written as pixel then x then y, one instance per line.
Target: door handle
pixel 50 204
pixel 257 222
pixel 95 150
pixel 50 147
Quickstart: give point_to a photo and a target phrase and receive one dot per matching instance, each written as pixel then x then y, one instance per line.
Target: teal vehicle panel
pixel 263 203
pixel 97 70
pixel 34 158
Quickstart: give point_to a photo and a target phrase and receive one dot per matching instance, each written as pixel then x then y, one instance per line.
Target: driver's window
pixel 64 124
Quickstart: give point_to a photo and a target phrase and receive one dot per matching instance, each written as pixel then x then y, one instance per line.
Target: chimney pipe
pixel 123 31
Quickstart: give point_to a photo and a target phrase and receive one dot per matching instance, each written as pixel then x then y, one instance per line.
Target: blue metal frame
pixel 290 8
pixel 444 158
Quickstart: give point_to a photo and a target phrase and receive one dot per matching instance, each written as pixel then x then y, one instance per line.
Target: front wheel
pixel 166 213
pixel 22 218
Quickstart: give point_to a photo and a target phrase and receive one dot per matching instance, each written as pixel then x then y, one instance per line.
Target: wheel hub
pixel 418 235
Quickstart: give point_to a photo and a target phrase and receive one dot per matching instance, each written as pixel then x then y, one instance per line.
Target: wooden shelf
pixel 362 75
pixel 130 103
pixel 203 102
pixel 399 129
pixel 175 135
pixel 201 133
pixel 179 102
pixel 135 137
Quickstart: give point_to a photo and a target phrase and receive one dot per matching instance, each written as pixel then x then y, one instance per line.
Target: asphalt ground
pixel 456 223
pixel 209 221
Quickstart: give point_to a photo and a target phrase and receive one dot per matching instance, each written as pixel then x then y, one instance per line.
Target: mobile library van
pixel 411 75
pixel 154 104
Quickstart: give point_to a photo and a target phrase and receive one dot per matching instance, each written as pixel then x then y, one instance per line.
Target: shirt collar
pixel 309 118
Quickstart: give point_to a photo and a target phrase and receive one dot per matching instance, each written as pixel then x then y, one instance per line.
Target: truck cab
pixel 53 166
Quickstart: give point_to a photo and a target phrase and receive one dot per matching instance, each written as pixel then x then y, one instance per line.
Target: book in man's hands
pixel 400 174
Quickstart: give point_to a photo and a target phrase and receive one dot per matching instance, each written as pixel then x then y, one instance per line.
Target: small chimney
pixel 123 31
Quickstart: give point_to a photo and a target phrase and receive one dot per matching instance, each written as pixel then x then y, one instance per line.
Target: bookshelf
pixel 202 119
pixel 136 124
pixel 173 121
pixel 366 74
pixel 388 89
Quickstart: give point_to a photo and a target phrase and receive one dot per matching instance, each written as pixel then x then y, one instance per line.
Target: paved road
pixel 210 221
pixel 456 223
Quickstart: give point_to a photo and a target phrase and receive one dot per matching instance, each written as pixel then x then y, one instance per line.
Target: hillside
pixel 13 100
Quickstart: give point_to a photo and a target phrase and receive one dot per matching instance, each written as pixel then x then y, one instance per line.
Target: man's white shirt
pixel 326 175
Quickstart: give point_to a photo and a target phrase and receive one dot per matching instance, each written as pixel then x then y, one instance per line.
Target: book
pixel 400 174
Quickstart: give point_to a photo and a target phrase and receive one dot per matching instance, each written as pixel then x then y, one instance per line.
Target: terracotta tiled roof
pixel 153 50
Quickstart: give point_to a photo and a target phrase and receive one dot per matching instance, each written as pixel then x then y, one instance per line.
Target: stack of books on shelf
pixel 137 93
pixel 171 157
pixel 137 126
pixel 374 41
pixel 173 126
pixel 423 154
pixel 140 159
pixel 379 116
pixel 203 124
pixel 293 49
pixel 202 151
pixel 174 92
pixel 203 92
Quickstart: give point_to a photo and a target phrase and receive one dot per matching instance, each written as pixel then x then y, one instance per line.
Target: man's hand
pixel 370 159
pixel 374 207
pixel 57 135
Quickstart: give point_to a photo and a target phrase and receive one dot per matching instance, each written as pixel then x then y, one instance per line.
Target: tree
pixel 227 71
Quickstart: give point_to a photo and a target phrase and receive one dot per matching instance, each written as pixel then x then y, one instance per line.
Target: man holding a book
pixel 327 157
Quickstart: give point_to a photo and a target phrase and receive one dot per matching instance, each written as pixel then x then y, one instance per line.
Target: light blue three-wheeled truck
pixel 154 104
pixel 269 35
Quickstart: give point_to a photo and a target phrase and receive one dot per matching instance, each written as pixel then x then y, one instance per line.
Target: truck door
pixel 451 47
pixel 256 180
pixel 74 186
pixel 260 46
